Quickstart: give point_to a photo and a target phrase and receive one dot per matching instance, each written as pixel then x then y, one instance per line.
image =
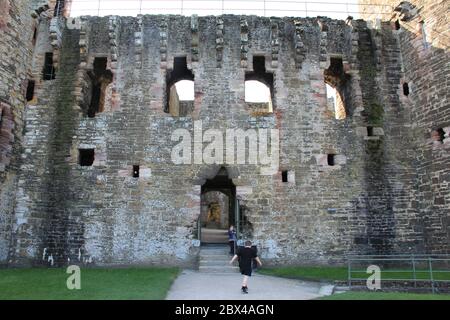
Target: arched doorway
pixel 218 205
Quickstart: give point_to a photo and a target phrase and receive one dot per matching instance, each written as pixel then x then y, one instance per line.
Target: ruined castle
pixel 88 108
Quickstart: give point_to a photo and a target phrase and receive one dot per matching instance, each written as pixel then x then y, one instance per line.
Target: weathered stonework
pixel 374 182
pixel 418 54
pixel 16 42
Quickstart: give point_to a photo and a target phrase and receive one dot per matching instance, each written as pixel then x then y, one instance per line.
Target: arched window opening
pixel 256 91
pixel 335 102
pixel 100 79
pixel 259 88
pixel 336 83
pixel 397 25
pixel 180 89
pixel 185 90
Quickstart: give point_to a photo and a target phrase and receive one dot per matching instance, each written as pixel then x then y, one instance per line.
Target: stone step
pixel 214 253
pixel 221 259
pixel 215 259
pixel 214 262
pixel 218 236
pixel 218 269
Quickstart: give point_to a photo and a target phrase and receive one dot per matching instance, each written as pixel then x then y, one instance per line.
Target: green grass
pixel 308 273
pixel 356 295
pixel 100 284
pixel 326 273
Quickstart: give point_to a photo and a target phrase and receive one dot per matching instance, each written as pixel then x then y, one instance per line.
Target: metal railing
pixel 411 270
pixel 217 7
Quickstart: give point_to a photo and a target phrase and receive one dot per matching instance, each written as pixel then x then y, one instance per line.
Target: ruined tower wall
pixel 16 32
pixel 421 45
pixel 26 34
pixel 102 214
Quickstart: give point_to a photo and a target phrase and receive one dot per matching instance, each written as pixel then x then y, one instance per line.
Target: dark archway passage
pixel 216 215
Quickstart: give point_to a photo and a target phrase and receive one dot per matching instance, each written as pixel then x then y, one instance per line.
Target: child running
pixel 246 256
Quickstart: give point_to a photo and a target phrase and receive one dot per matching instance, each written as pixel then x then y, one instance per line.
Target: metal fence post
pixel 414 270
pixel 431 274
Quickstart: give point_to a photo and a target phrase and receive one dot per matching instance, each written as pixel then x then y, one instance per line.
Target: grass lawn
pixel 355 295
pixel 308 273
pixel 327 273
pixel 114 284
pixel 340 273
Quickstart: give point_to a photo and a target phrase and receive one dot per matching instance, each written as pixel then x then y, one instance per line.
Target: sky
pixel 338 9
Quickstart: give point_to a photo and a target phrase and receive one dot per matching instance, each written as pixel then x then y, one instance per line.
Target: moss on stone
pixel 375 114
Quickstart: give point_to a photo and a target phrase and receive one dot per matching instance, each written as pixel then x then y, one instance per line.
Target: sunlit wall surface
pixel 338 9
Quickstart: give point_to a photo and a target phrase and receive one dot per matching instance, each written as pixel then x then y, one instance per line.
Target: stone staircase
pixel 215 259
pixel 218 236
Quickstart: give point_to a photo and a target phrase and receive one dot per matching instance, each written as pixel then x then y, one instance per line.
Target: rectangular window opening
pixel 49 70
pixel 135 171
pixel 406 89
pixel 30 90
pixel 284 176
pixel 86 157
pixel 330 159
pixel 370 131
pixel 34 36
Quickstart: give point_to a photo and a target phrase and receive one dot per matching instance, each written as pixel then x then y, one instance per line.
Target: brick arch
pixel 6 134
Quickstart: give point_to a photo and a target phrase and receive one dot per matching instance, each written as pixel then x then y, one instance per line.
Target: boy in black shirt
pixel 246 256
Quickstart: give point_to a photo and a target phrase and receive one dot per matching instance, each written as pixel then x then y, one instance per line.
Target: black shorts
pixel 246 272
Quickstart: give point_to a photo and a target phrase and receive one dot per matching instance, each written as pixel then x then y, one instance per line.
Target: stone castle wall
pixel 422 44
pixel 16 32
pixel 375 198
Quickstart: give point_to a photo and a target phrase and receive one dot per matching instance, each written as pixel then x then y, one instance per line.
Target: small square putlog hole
pixel 135 171
pixel 86 157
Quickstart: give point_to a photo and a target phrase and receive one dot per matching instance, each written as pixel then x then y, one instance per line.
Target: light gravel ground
pixel 194 285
